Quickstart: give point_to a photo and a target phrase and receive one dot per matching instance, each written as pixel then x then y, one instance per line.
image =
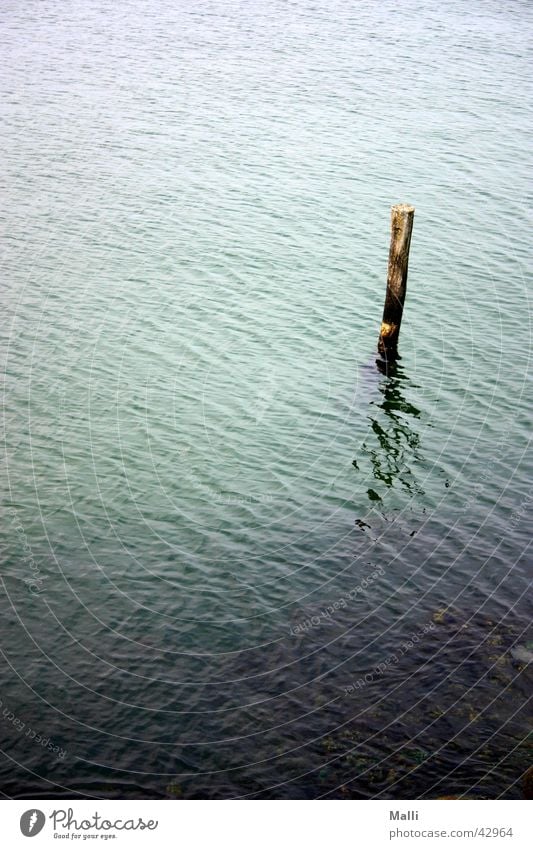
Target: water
pixel 237 559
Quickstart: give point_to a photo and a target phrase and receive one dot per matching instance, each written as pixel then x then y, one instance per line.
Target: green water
pixel 219 513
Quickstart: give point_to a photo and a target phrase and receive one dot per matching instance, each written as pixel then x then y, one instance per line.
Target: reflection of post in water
pixel 393 443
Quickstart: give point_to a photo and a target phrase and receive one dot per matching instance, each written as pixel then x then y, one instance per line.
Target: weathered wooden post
pixel 401 227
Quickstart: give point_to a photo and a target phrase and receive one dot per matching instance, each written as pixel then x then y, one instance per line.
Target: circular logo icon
pixel 31 822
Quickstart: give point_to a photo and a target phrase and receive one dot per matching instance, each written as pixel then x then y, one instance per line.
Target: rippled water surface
pixel 238 559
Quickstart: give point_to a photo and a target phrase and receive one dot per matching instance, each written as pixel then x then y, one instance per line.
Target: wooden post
pixel 401 227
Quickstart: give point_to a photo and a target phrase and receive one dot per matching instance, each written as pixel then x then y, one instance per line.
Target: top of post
pixel 402 208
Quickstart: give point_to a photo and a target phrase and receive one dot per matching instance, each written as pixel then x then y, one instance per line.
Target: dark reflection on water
pixel 393 444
